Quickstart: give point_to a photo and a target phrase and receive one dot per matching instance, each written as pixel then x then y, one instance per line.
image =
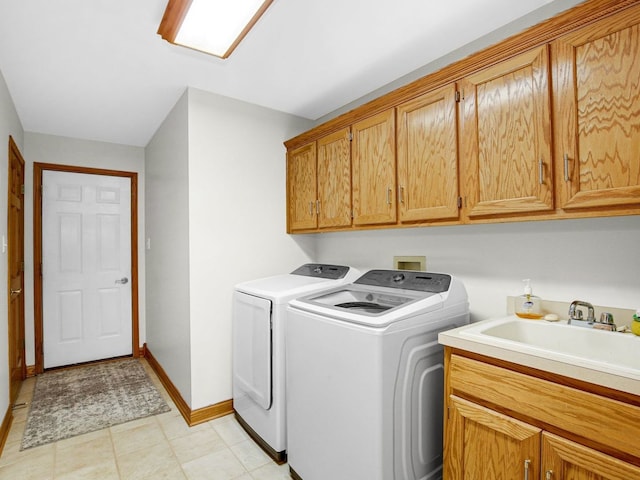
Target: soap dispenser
pixel 528 305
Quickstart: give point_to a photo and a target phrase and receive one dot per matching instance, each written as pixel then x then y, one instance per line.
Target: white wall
pixel 9 125
pixel 596 260
pixel 167 228
pixel 43 148
pixel 237 222
pixel 549 10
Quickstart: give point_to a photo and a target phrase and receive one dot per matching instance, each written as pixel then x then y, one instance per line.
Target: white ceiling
pixel 96 69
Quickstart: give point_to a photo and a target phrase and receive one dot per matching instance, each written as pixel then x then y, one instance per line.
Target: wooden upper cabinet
pixel 506 137
pixel 301 188
pixel 597 113
pixel 428 157
pixel 334 180
pixel 483 444
pixel 374 169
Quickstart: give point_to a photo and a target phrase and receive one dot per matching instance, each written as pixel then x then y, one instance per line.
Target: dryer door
pixel 252 347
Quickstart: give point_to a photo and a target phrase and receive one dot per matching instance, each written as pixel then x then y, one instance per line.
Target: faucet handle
pixel 606 318
pixel 577 315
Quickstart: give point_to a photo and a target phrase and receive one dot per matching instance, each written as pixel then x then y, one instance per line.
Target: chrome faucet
pixel 576 317
pixel 575 314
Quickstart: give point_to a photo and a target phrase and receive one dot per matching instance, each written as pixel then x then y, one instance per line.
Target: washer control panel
pixel 420 281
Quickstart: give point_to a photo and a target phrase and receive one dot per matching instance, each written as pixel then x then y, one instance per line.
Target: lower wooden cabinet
pixel 564 459
pixel 505 425
pixel 486 444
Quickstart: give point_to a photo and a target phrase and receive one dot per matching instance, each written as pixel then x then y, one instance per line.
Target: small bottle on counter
pixel 635 324
pixel 528 305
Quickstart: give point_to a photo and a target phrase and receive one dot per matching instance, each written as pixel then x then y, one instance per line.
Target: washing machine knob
pixel 398 277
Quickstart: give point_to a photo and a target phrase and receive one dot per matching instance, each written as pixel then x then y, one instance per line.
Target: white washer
pixel 365 376
pixel 259 308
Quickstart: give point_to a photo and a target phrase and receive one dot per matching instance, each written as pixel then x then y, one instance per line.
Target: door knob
pixel 123 281
pixel 17 291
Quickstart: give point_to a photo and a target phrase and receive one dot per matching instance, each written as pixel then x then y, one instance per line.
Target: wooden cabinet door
pixel 506 137
pixel 374 170
pixel 563 459
pixel 334 180
pixel 428 157
pixel 301 188
pixel 597 105
pixel 482 444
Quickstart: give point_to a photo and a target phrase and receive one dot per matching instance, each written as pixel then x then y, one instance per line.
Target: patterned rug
pixel 80 400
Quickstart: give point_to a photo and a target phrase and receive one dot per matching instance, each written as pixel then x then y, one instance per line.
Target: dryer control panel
pixel 321 270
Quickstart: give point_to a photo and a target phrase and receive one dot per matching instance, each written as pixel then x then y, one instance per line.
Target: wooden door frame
pixel 14 151
pixel 38 169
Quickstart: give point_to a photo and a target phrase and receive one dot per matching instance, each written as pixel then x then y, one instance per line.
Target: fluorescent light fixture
pixel 212 26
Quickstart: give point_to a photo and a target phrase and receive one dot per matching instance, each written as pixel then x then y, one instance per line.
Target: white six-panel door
pixel 86 238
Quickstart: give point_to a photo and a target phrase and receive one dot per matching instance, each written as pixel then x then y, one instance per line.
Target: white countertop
pixel 573 359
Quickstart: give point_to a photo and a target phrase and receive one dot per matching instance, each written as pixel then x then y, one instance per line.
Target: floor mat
pixel 83 399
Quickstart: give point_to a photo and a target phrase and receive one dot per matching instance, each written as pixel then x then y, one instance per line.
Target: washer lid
pixel 282 288
pixel 366 300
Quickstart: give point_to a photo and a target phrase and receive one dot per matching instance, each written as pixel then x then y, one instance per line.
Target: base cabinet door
pixel 482 444
pixel 566 460
pixel 597 100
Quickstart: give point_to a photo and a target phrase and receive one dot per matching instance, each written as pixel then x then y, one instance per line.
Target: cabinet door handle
pixel 311 209
pixel 526 469
pixel 566 167
pixel 548 475
pixel 318 207
pixel 401 194
pixel 541 172
pixel 388 195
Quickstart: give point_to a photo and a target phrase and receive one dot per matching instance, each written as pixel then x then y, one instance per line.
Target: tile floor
pixel 158 447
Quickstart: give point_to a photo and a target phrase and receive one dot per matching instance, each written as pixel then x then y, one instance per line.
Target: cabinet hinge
pixel 457 96
pixel 350 136
pixel 459 202
pixel 22 189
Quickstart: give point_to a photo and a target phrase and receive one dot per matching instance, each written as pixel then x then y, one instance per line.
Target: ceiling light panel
pixel 212 26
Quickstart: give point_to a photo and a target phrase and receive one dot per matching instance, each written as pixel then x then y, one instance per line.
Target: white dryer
pixel 365 376
pixel 259 308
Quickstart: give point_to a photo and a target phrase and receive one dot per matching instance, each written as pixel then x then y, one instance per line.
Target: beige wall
pixel 167 230
pixel 596 260
pixel 215 217
pixel 237 226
